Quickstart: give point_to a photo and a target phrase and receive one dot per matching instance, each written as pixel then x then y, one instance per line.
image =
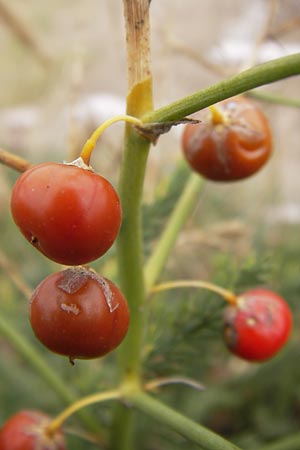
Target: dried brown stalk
pixel 15 162
pixel 138 41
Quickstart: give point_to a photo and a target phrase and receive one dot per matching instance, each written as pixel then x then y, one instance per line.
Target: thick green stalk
pixel 164 246
pixel 130 241
pixel 130 263
pixel 262 74
pixel 130 250
pixel 178 422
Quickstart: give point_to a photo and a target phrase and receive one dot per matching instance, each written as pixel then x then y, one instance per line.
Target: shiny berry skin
pixel 231 150
pixel 70 214
pixel 258 326
pixel 79 314
pixel 26 430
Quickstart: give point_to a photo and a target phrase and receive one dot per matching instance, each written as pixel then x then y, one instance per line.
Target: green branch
pixel 32 357
pixel 186 427
pixel 260 75
pixel 174 225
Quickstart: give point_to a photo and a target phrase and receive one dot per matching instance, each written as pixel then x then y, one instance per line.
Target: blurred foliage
pixel 156 213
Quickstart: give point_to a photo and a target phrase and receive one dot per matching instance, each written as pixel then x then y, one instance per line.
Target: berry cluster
pixel 72 215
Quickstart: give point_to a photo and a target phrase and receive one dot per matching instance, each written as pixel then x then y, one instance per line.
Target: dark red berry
pixel 258 326
pixel 69 213
pixel 233 148
pixel 79 314
pixel 27 430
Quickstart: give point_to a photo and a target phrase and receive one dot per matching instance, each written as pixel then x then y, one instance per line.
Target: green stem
pixel 130 263
pixel 291 442
pixel 175 223
pixel 262 74
pixel 29 353
pixel 130 250
pixel 180 423
pixel 130 241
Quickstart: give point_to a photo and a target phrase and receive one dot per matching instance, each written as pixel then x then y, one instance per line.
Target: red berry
pixel 233 149
pixel 26 430
pixel 258 326
pixel 79 314
pixel 70 214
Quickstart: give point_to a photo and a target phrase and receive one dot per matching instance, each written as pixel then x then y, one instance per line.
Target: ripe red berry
pixel 231 148
pixel 70 214
pixel 258 326
pixel 27 430
pixel 79 314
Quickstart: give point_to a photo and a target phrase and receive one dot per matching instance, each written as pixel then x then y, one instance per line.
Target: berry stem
pixel 90 144
pixel 153 385
pixel 227 295
pixel 99 397
pixel 216 115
